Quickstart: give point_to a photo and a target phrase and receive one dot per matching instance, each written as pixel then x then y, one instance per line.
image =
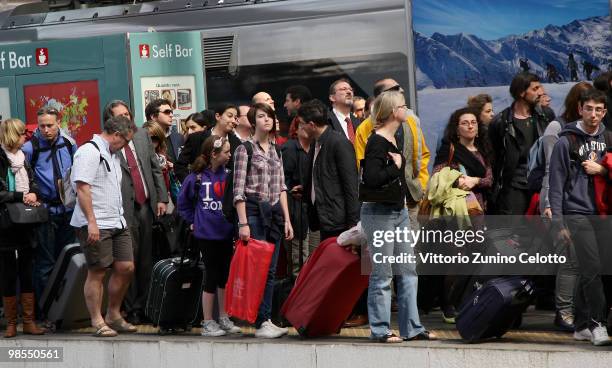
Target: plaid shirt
pixel 266 180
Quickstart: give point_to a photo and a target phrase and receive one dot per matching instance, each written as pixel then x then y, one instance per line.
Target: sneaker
pixel 267 330
pixel 583 335
pixel 228 326
pixel 449 314
pixel 564 321
pixel 600 335
pixel 281 329
pixel 211 328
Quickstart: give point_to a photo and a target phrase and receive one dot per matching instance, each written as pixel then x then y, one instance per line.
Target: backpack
pixel 68 195
pixel 61 182
pixel 227 204
pixel 536 166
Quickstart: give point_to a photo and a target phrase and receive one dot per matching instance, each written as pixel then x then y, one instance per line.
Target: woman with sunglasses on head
pixel 260 198
pixel 384 194
pixel 16 242
pixel 200 204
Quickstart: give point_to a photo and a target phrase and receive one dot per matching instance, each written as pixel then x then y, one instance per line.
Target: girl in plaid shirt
pixel 260 197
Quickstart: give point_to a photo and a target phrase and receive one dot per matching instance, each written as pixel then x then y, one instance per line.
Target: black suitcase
pixel 494 308
pixel 175 294
pixel 63 301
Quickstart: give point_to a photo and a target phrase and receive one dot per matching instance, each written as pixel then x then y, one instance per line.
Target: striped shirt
pixel 265 181
pixel 105 185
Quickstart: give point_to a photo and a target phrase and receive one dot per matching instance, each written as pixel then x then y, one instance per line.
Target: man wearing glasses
pixel 573 166
pixel 144 196
pixel 100 225
pixel 160 111
pixel 341 119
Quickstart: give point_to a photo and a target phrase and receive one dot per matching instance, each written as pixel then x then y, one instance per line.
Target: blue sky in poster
pixel 492 19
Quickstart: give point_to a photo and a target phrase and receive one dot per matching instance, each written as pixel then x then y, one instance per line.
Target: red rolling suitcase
pixel 326 290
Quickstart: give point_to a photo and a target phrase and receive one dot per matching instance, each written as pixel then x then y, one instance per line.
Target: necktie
pixel 139 191
pixel 350 129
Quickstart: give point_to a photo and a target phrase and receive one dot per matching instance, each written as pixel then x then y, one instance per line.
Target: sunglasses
pixel 396 88
pixel 167 112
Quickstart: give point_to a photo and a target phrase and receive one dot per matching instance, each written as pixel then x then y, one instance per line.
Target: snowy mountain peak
pixel 446 61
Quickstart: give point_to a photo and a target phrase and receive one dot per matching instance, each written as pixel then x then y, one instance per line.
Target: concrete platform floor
pixel 535 344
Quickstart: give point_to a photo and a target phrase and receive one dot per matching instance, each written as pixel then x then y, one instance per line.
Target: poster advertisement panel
pixel 78 103
pixel 167 65
pixel 476 47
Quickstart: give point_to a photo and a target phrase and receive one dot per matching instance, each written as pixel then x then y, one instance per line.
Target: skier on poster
pixel 524 64
pixel 552 75
pixel 573 67
pixel 588 68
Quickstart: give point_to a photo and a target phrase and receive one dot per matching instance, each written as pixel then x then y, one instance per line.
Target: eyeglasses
pixel 396 88
pixel 344 89
pixel 598 110
pixel 402 106
pixel 468 123
pixel 167 112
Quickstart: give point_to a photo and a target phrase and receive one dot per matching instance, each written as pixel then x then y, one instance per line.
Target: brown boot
pixel 29 326
pixel 10 312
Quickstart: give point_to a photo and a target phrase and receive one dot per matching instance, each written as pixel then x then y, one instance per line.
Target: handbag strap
pixel 451 153
pixel 196 199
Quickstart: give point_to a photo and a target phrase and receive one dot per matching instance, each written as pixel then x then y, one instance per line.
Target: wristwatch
pixel 243 225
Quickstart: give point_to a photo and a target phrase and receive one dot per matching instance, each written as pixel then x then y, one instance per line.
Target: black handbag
pixel 17 213
pixel 389 193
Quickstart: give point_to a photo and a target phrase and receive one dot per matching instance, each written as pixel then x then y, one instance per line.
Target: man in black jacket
pixel 512 133
pixel 226 116
pixel 331 181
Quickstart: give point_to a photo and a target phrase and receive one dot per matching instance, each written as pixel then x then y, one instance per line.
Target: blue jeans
pixel 52 237
pixel 379 217
pixel 259 232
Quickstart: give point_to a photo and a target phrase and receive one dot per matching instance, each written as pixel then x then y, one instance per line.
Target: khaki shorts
pixel 114 245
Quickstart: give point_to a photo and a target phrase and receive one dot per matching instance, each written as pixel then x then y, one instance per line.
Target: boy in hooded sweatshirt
pixel 573 164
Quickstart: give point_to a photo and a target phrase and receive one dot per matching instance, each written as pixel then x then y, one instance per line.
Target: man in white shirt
pixel 243 128
pixel 341 98
pixel 100 225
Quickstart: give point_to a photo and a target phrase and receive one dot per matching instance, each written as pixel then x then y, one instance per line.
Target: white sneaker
pixel 583 335
pixel 228 326
pixel 211 328
pixel 268 331
pixel 600 336
pixel 281 329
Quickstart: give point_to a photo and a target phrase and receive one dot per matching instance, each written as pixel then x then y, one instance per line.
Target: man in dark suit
pixel 144 196
pixel 340 118
pixel 161 112
pixel 226 116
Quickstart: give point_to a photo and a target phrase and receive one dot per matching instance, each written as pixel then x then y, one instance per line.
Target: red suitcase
pixel 325 291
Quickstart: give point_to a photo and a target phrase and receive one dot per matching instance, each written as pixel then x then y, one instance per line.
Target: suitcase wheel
pixel 188 328
pixel 302 332
pixel 165 331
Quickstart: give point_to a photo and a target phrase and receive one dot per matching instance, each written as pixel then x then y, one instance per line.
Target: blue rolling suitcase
pixel 494 308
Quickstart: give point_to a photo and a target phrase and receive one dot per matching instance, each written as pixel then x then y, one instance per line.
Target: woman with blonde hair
pixel 16 242
pixel 384 193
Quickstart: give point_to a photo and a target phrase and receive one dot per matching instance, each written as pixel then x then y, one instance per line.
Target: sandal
pixel 390 338
pixel 121 325
pixel 425 335
pixel 102 330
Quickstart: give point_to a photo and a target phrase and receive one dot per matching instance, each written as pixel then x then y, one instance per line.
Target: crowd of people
pixel 361 161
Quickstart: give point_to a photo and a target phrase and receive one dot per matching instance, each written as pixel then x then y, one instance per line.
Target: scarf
pixel 17 161
pixel 460 156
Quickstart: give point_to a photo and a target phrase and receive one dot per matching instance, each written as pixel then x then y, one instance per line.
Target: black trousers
pixel 142 242
pixel 591 241
pixel 15 267
pixel 512 201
